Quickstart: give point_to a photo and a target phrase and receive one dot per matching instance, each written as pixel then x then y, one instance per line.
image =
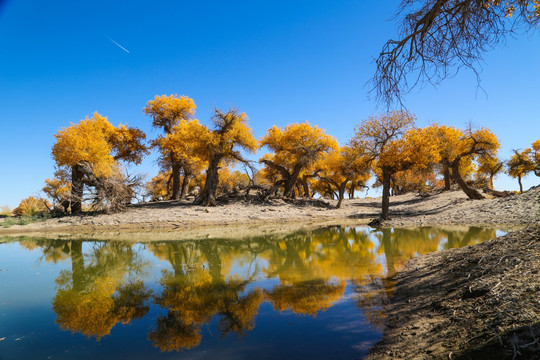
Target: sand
pixel 181 219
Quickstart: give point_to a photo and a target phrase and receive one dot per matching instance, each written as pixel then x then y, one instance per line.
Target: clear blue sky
pixel 279 61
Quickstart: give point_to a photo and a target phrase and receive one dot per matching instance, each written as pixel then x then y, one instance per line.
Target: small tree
pixel 519 165
pixel 295 149
pixel 458 148
pixel 222 145
pixel 488 167
pixel 342 166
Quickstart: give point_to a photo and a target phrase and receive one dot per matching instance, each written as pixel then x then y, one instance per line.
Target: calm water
pixel 307 295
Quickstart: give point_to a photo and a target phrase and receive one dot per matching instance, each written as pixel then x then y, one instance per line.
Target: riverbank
pixel 476 302
pixel 182 218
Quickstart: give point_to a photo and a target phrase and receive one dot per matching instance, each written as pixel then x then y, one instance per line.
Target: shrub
pixel 30 206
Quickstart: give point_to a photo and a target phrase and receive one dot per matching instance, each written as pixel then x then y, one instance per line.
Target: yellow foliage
pixel 231 180
pixel 530 8
pixel 416 149
pixel 231 130
pixel 158 187
pixel 535 154
pixel 520 164
pixel 298 144
pixel 96 142
pixel 58 188
pixel 90 313
pixel 344 164
pixel 86 141
pixel 188 142
pixel 127 145
pixel 454 144
pixel 30 206
pixel 168 111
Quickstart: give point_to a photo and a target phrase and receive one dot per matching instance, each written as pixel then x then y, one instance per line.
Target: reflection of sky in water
pixel 324 308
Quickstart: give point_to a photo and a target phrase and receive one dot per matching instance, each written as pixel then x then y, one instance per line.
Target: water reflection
pixel 223 283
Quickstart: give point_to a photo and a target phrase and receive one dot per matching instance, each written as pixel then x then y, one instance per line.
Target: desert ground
pixel 181 219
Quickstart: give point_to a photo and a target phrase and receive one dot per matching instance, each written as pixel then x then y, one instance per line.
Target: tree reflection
pixel 216 279
pixel 196 290
pixel 373 293
pixel 305 297
pixel 92 298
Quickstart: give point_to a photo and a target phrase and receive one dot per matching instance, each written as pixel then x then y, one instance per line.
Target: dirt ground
pixel 477 302
pixel 181 217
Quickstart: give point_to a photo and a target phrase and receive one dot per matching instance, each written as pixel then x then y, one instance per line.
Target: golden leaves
pixel 298 143
pixel 96 142
pixel 168 111
pixel 30 206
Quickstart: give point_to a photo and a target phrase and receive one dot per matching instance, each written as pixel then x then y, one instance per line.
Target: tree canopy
pixel 294 149
pixel 91 149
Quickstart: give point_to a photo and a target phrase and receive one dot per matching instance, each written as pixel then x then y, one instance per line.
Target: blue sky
pixel 279 61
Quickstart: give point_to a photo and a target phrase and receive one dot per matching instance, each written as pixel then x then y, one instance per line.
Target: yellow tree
pixel 58 189
pixel 167 112
pixel 91 150
pixel 519 165
pixel 457 147
pixel 183 145
pixel 342 166
pixel 392 145
pixel 158 187
pixel 535 155
pixel 295 148
pixel 222 145
pixel 417 180
pixel 488 167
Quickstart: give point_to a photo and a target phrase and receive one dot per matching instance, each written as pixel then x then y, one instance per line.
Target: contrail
pixel 117 44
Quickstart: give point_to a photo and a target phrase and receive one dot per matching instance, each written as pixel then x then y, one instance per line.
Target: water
pixel 307 295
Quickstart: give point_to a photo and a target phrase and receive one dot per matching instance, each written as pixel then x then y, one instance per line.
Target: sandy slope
pixel 476 302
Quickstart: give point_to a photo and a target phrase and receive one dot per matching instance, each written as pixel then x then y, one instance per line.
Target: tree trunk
pixel 176 167
pixel 185 185
pixel 77 184
pixel 351 190
pixel 520 185
pixel 341 193
pixel 305 186
pixel 77 265
pixel 386 195
pixel 291 182
pixel 469 191
pixel 446 174
pixel 208 194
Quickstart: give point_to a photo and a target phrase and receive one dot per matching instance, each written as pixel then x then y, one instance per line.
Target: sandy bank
pixel 179 218
pixel 477 302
